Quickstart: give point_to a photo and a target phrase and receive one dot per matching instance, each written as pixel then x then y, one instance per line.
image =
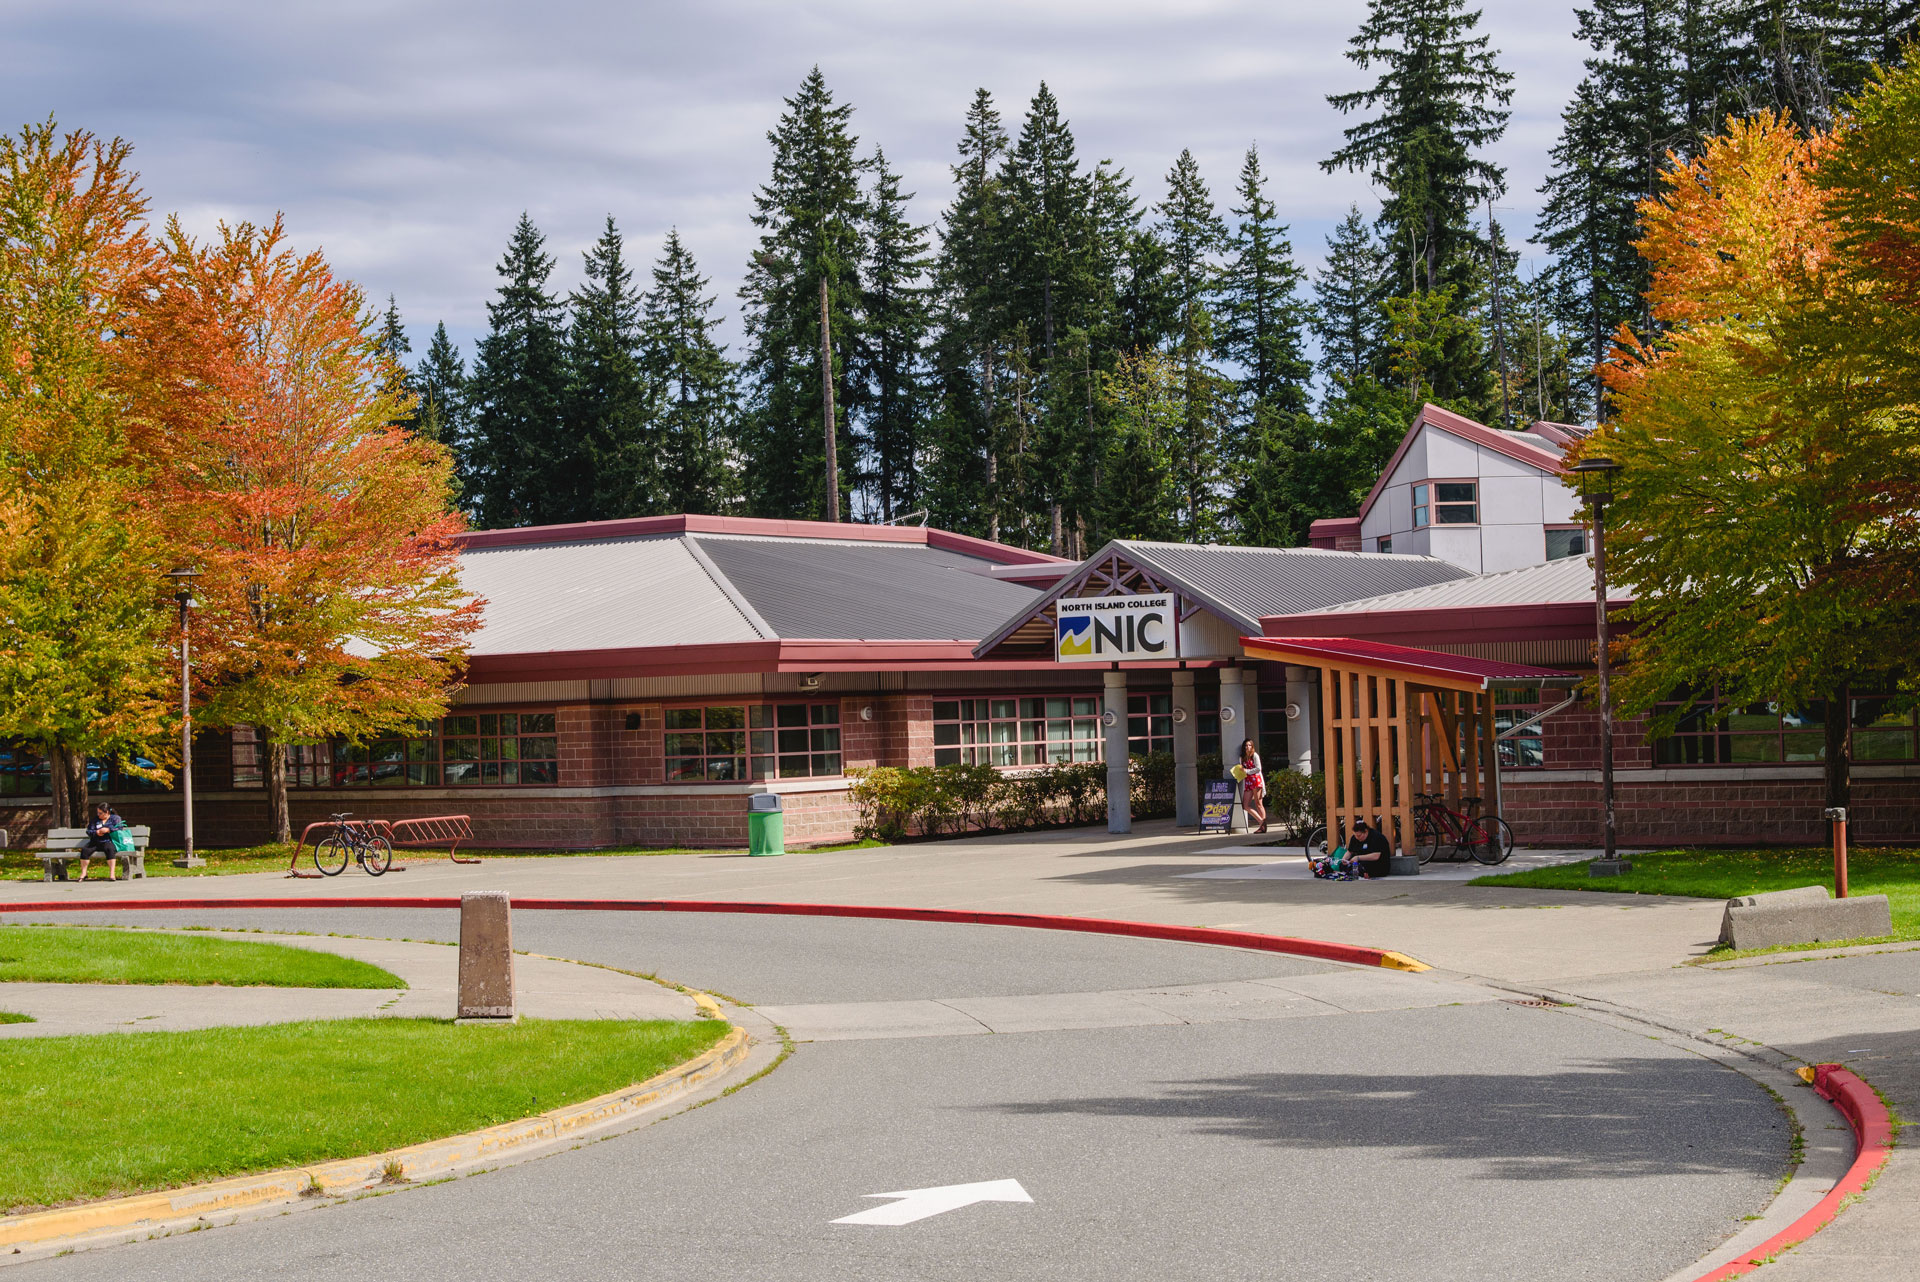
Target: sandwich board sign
pixel 1104 629
pixel 1216 805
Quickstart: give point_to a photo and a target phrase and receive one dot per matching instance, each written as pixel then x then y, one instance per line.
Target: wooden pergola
pixel 1396 721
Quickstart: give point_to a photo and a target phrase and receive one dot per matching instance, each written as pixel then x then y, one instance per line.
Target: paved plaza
pixel 1171 1110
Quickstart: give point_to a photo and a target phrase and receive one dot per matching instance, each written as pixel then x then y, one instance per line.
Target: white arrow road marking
pixel 918 1204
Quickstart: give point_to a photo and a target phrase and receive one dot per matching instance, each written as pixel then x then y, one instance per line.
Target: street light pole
pixel 183 593
pixel 1601 470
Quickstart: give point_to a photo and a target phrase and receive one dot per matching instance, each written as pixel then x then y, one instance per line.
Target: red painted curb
pixel 1873 1143
pixel 1316 948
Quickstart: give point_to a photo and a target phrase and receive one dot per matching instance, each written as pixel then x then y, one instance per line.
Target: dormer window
pixel 1446 503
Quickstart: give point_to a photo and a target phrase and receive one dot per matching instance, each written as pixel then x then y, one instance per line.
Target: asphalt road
pixel 1325 1137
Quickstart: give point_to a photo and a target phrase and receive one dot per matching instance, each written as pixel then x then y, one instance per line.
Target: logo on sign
pixel 1109 628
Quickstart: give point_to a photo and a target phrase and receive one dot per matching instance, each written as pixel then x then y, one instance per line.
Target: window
pixel 1456 502
pixel 1721 734
pixel 489 748
pixel 1562 544
pixel 736 742
pixel 1009 731
pixel 1511 706
pixel 1420 508
pixel 1386 543
pixel 1272 706
pixel 1149 724
pixel 1208 703
pixel 24 771
pixel 1880 734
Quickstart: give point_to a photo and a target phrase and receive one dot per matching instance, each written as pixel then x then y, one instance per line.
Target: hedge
pixel 934 801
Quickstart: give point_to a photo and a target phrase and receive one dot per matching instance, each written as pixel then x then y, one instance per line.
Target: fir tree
pixel 810 214
pixel 969 283
pixel 394 349
pixel 439 392
pixel 1858 35
pixel 692 385
pixel 614 469
pixel 1438 102
pixel 1049 198
pixel 890 355
pixel 1348 291
pixel 1261 315
pixel 1193 234
pixel 518 393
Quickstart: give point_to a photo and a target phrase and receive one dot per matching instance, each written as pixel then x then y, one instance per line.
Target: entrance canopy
pixel 1397 721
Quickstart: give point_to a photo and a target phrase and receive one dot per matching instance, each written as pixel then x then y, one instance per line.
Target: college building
pixel 636 681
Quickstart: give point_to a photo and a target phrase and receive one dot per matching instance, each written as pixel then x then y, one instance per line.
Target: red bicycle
pixel 1487 838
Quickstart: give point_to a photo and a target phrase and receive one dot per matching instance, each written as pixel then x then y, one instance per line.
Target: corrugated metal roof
pixel 1568 579
pixel 1248 584
pixel 822 589
pixel 603 594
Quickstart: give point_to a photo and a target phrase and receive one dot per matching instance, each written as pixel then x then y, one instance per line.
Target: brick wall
pixel 1678 811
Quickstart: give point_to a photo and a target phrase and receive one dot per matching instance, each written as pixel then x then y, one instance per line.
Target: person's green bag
pixel 122 841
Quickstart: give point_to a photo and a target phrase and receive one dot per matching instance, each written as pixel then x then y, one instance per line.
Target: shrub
pixel 1151 785
pixel 1298 801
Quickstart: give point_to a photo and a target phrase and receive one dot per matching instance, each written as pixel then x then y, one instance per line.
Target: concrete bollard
pixel 1803 915
pixel 486 957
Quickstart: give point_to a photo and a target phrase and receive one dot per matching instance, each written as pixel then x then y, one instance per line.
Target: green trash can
pixel 766 825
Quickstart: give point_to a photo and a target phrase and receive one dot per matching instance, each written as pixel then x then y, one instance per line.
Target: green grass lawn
pixel 121 1113
pixel 95 955
pixel 24 865
pixel 1722 874
pixel 14 1017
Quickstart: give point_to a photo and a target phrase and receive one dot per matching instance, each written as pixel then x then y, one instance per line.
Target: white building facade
pixel 1484 499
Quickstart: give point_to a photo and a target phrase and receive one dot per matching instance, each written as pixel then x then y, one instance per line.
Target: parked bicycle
pixel 1486 838
pixel 355 841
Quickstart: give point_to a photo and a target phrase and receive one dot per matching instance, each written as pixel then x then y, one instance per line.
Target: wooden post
pixel 1363 799
pixel 1403 724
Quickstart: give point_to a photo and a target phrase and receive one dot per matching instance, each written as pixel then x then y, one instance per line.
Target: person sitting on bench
pixel 100 840
pixel 1368 850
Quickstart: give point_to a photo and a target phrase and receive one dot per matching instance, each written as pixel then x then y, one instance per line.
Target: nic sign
pixel 1103 629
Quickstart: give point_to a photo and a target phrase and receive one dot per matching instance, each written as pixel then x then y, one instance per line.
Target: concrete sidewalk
pixel 545 989
pixel 1622 950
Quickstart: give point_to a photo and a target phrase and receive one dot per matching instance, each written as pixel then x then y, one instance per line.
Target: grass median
pixel 1723 874
pixel 121 1113
pixel 98 955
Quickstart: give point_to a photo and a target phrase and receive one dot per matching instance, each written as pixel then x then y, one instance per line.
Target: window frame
pixel 773 741
pixel 410 762
pixel 1586 540
pixel 1027 733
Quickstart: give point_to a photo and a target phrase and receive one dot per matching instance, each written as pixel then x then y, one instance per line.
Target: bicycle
pixel 1487 838
pixel 375 853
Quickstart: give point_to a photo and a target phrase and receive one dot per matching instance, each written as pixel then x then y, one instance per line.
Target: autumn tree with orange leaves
pixel 1770 431
pixel 330 603
pixel 83 652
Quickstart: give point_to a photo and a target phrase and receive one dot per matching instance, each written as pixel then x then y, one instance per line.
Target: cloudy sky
pixel 405 136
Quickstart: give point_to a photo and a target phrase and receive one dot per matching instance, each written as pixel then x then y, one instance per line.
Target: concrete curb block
pixel 434 1158
pixel 1324 950
pixel 1873 1144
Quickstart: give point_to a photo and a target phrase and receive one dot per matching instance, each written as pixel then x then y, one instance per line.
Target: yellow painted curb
pixel 1400 961
pixel 434 1157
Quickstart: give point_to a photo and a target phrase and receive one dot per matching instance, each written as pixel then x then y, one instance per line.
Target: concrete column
pixel 486 957
pixel 1303 689
pixel 1186 751
pixel 1114 714
pixel 1234 726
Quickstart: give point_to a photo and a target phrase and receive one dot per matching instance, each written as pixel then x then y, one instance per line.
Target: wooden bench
pixel 63 847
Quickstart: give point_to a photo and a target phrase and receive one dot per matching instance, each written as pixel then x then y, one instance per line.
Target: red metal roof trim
pixel 693 523
pixel 1406 658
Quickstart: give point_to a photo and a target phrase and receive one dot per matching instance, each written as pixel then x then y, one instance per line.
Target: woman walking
pixel 1253 791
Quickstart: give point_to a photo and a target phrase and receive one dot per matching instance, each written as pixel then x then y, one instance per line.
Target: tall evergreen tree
pixel 969 282
pixel 1194 236
pixel 890 355
pixel 439 391
pixel 615 468
pixel 1438 102
pixel 1858 35
pixel 811 213
pixel 1261 315
pixel 517 394
pixel 1348 291
pixel 693 388
pixel 1049 234
pixel 394 349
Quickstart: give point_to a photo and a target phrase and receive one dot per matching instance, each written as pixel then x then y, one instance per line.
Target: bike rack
pixel 410 834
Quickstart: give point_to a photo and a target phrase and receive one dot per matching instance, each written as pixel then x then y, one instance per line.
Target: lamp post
pixel 1597 475
pixel 183 593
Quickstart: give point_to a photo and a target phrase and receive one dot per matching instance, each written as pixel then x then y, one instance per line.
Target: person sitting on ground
pixel 1369 851
pixel 99 840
